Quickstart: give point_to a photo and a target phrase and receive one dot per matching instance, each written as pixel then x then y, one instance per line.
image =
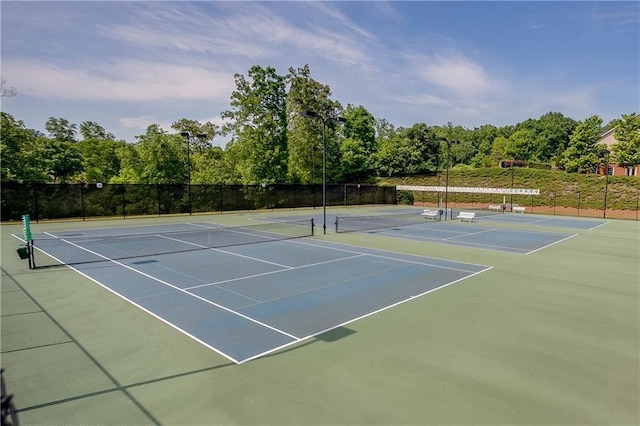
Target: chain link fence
pixel 57 201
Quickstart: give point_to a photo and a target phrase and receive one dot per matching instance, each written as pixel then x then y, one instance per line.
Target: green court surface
pixel 545 339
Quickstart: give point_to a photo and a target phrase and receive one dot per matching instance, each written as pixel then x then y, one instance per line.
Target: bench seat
pixel 468 216
pixel 429 214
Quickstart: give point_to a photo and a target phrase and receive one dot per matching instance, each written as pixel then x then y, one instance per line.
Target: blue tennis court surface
pixel 477 236
pixel 245 301
pixel 553 221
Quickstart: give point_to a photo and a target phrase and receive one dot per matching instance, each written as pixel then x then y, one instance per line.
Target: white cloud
pixel 124 81
pixel 456 73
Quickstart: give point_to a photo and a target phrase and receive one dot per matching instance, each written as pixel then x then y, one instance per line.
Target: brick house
pixel 609 139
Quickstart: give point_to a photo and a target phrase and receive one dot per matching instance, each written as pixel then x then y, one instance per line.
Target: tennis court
pixel 468 234
pixel 542 220
pixel 242 319
pixel 247 291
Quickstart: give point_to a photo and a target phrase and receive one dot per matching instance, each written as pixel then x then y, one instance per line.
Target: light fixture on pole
pixel 446 185
pixel 325 120
pixel 188 137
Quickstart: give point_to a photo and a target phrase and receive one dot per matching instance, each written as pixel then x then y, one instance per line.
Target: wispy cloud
pixel 129 80
pixel 456 73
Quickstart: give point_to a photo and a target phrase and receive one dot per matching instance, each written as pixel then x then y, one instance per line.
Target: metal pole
pixel 578 203
pixel 637 205
pixel 511 190
pixel 606 185
pixel 446 187
pixel 189 175
pixel 187 138
pixel 324 179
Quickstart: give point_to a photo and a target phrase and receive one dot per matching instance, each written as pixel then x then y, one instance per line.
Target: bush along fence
pixel 57 201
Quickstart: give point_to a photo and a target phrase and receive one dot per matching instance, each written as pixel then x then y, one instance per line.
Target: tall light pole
pixel 513 161
pixel 325 120
pixel 606 183
pixel 446 184
pixel 188 137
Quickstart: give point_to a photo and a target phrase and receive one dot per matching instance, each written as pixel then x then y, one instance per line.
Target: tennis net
pixel 74 249
pixel 365 223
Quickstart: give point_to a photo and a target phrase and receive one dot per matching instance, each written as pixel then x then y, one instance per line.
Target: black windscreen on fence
pixel 57 201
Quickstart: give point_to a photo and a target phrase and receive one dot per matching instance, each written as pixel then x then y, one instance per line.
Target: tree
pixel 258 122
pixel 99 152
pixel 15 140
pixel 195 128
pixel 359 143
pixel 304 143
pixel 162 157
pixel 408 151
pixel 627 133
pixel 553 130
pixel 62 159
pixel 482 139
pixel 61 129
pixel 584 154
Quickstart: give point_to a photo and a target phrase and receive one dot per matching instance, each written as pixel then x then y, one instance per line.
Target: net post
pixel 313 225
pixel 336 223
pixel 32 258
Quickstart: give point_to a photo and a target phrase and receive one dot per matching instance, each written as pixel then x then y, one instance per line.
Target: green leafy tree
pixel 627 133
pixel 408 151
pixel 99 152
pixel 305 135
pixel 195 128
pixel 162 157
pixel 62 159
pixel 211 166
pixel 482 139
pixel 584 154
pixel 15 141
pixel 92 130
pixel 359 143
pixel 61 129
pixel 553 132
pixel 130 165
pixel 258 122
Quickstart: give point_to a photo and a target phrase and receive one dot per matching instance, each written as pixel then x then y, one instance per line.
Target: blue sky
pixel 126 65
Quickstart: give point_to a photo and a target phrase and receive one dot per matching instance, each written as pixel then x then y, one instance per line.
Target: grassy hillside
pixel 561 187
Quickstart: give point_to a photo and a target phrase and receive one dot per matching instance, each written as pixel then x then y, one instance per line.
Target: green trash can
pixel 23 252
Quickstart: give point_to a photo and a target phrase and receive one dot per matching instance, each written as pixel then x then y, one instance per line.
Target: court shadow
pixel 335 334
pixel 327 337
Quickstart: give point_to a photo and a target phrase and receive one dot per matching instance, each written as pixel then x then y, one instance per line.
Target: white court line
pixel 181 290
pixel 362 316
pixel 295 339
pixel 224 251
pixel 598 226
pixel 470 233
pixel 393 258
pixel 549 245
pixel 273 272
pixel 467 244
pixel 170 324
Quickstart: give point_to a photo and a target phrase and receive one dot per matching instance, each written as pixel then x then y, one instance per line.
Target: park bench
pixel 497 207
pixel 466 216
pixel 430 214
pixel 517 209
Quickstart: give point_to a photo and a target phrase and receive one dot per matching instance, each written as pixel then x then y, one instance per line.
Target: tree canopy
pixel 272 143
